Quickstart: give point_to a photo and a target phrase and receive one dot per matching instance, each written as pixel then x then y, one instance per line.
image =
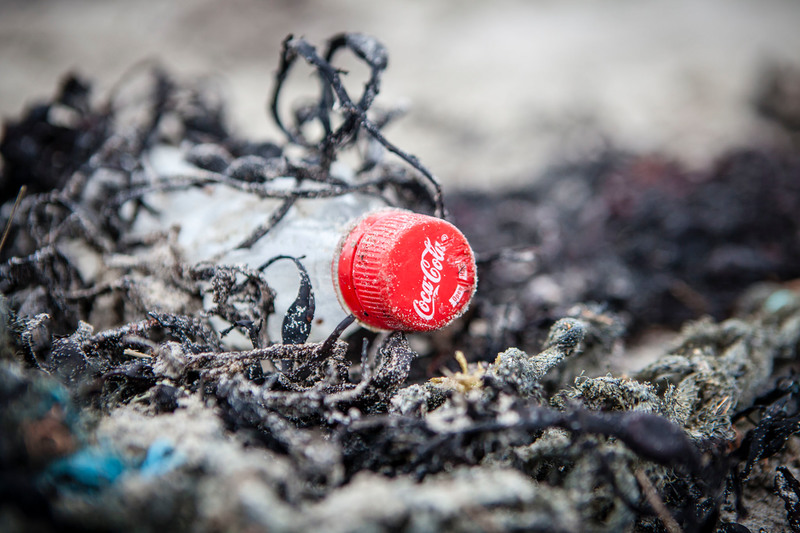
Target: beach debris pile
pixel 128 407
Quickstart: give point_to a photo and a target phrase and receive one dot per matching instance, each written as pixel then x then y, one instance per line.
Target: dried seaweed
pixel 653 242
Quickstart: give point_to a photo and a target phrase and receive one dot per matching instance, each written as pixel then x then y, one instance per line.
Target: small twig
pixel 657 503
pixel 136 353
pixel 21 193
pixel 263 229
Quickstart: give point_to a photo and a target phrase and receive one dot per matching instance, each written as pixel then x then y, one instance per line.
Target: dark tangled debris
pixel 125 409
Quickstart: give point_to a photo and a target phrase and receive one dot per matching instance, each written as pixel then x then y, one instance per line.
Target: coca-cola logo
pixel 430 263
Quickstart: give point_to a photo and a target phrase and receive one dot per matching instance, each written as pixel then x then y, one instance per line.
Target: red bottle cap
pixel 400 270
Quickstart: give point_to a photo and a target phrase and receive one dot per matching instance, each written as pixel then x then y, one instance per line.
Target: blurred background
pixel 496 91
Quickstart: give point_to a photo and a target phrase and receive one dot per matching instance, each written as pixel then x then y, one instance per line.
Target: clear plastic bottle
pixel 410 276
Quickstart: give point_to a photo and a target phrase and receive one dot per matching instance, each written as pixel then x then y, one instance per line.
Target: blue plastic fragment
pixel 161 458
pixel 89 468
pixel 778 300
pixel 96 467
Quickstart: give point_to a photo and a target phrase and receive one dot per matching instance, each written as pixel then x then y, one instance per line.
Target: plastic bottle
pixel 398 269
